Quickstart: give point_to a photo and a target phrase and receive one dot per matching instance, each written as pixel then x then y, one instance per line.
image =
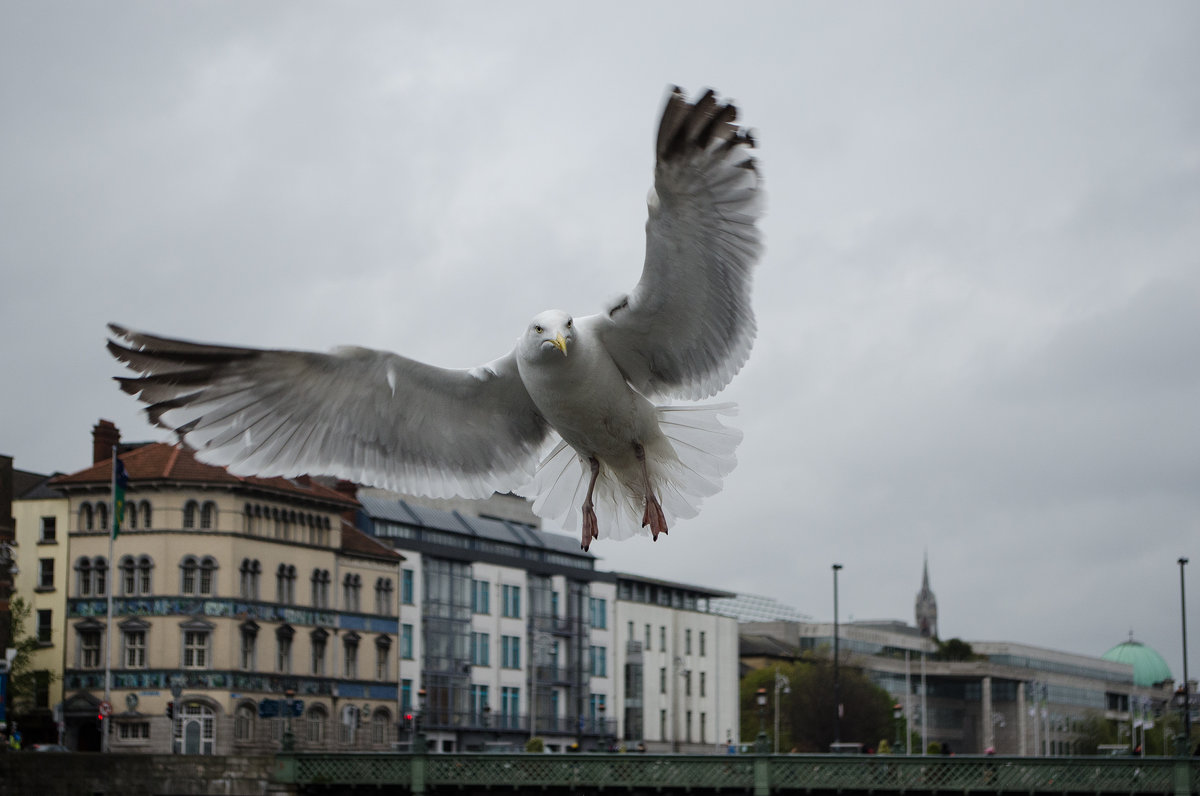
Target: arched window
pixel 208 581
pixel 189 514
pixel 208 516
pixel 101 516
pixel 383 596
pixel 145 509
pixel 100 576
pixel 128 576
pixel 145 565
pixel 83 570
pixel 250 571
pixel 320 588
pixel 131 515
pixel 87 521
pixel 383 657
pixel 351 591
pixel 381 723
pixel 315 721
pixel 243 723
pixel 189 568
pixel 285 584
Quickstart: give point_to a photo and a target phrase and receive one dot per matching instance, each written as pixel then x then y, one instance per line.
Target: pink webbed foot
pixel 654 517
pixel 590 529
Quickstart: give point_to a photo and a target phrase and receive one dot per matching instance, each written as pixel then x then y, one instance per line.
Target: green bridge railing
pixel 758 774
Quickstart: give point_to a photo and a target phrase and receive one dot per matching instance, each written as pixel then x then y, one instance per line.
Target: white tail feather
pixel 685 467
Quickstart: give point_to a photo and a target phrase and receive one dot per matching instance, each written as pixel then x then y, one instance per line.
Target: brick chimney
pixel 104 436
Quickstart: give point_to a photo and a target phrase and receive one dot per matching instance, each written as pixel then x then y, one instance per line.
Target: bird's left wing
pixel 367 416
pixel 687 327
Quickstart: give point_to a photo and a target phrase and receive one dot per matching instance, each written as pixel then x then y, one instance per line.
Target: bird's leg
pixel 590 529
pixel 653 515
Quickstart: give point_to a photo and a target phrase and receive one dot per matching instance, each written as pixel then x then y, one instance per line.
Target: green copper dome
pixel 1149 667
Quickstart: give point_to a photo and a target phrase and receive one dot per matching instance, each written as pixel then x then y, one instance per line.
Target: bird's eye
pixel 568 323
pixel 538 330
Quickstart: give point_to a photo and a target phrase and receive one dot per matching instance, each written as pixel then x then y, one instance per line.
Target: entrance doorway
pixel 195 729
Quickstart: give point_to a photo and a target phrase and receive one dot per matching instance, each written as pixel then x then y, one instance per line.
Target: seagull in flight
pixel 567 418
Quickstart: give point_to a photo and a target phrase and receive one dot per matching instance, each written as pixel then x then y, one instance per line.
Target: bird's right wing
pixel 368 416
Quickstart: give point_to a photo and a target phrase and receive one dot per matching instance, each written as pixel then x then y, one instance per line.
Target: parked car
pixel 48 747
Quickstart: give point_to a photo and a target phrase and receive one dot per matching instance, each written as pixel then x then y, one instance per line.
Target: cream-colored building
pixel 41 520
pixel 244 609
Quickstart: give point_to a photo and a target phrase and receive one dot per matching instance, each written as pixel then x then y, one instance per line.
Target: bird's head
pixel 549 333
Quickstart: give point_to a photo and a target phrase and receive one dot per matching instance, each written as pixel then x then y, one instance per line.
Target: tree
pixel 955 650
pixel 23 681
pixel 806 714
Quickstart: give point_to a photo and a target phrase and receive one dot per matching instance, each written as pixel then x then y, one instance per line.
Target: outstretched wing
pixel 687 327
pixel 368 416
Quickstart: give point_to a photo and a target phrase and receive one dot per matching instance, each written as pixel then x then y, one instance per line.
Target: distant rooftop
pixel 756 608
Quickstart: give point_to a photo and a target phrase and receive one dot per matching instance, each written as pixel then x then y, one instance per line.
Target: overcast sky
pixel 979 306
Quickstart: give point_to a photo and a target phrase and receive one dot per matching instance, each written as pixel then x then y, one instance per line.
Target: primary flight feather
pixel 565 418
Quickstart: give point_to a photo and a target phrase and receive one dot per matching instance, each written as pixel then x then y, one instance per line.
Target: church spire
pixel 926 609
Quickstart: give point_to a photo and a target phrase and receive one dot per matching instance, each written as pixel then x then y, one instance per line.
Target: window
pixel 45 574
pixel 351 591
pixel 479 597
pixel 383 596
pixel 350 669
pixel 89 648
pixel 134 643
pixel 101 516
pixel 45 619
pixel 703 723
pixel 510 652
pixel 92 574
pixel 195 649
pixel 662 637
pixel 662 725
pixel 283 649
pixel 480 643
pixel 145 510
pixel 512 601
pixel 479 701
pixel 701 643
pixel 317 647
pixel 510 707
pixel 598 610
pixel 406 642
pixel 687 682
pixel 285 584
pixel 87 521
pixel 381 720
pixel 196 576
pixel 320 588
pixel 243 723
pixel 48 532
pixel 248 652
pixel 598 659
pixel 133 730
pixel 406 586
pixel 662 680
pixel 688 726
pixel 596 709
pixel 208 516
pixel 647 638
pixel 687 641
pixel 144 581
pixel 190 510
pixel 703 678
pixel 249 571
pixel 406 695
pixel 314 723
pixel 383 654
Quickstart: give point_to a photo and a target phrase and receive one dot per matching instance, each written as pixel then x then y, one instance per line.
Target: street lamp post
pixel 1186 748
pixel 781 682
pixel 761 741
pixel 837 687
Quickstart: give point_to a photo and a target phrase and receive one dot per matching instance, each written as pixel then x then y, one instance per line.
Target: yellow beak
pixel 560 343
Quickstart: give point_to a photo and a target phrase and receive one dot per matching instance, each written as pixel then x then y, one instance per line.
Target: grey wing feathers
pixel 368 416
pixel 687 327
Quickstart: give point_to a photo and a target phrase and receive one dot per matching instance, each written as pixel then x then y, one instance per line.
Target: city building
pixel 246 612
pixel 1012 698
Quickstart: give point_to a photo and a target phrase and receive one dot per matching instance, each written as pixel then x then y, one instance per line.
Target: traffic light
pixel 170 709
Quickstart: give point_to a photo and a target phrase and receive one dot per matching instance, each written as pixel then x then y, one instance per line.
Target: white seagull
pixel 565 418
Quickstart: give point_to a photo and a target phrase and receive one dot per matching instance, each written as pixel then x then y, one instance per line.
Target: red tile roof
pixel 158 461
pixel 355 541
